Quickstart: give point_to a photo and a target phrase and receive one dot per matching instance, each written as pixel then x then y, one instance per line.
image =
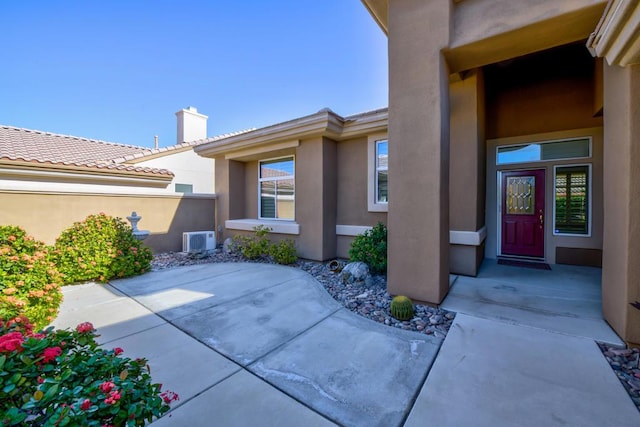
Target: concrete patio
pixel 257 344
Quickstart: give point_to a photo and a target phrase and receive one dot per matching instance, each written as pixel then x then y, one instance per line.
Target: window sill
pixel 277 227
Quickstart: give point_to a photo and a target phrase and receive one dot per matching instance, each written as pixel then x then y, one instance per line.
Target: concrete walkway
pixel 257 344
pixel 264 345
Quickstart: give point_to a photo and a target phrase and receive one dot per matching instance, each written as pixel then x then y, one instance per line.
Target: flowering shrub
pixel 100 248
pixel 62 377
pixel 371 248
pixel 29 281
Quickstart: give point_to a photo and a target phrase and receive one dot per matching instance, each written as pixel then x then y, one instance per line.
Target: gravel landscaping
pixel 371 300
pixel 626 364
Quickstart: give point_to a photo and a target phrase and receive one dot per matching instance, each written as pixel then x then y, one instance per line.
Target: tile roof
pixel 33 146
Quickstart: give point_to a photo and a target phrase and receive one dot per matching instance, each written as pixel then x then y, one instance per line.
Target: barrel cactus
pixel 401 308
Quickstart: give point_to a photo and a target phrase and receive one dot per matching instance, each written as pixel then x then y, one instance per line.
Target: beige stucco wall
pixel 484 31
pixel 621 266
pixel 467 169
pixel 418 217
pixel 46 215
pixel 351 171
pixel 541 105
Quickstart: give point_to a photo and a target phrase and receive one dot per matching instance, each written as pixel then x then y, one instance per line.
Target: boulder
pixel 229 246
pixel 355 272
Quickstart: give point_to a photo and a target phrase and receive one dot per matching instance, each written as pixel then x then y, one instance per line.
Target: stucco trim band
pixel 73 175
pixel 277 227
pixel 467 238
pixel 351 230
pixel 248 152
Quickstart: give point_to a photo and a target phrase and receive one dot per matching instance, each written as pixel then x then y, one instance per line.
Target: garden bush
pixel 284 252
pixel 100 248
pixel 62 377
pixel 371 248
pixel 256 245
pixel 29 281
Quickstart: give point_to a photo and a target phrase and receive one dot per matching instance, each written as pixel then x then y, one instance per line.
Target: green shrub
pixel 371 248
pixel 100 248
pixel 29 281
pixel 284 252
pixel 62 377
pixel 255 246
pixel 401 307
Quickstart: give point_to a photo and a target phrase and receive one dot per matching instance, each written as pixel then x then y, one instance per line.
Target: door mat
pixel 526 264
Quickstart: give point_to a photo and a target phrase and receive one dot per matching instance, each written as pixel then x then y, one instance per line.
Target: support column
pixel 467 174
pixel 230 191
pixel 316 198
pixel 621 244
pixel 418 218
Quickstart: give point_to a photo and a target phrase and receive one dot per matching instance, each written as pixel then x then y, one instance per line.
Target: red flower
pixel 114 396
pixel 117 351
pixel 40 380
pixel 50 354
pixel 11 342
pixel 107 386
pixel 169 396
pixel 85 327
pixel 86 404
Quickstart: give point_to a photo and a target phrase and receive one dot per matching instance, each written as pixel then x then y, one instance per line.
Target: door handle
pixel 541 218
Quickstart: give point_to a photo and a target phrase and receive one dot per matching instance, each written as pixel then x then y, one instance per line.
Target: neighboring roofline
pixel 112 174
pixel 81 138
pixel 323 123
pixel 153 153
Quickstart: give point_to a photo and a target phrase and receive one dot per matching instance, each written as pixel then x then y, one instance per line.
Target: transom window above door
pixel 576 148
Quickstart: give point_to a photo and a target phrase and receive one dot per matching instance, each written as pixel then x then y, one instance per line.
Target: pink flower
pixel 11 342
pixel 117 351
pixel 114 396
pixel 86 404
pixel 107 386
pixel 50 354
pixel 85 327
pixel 169 396
pixel 40 380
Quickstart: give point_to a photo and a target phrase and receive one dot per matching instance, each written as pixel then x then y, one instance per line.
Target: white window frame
pixel 589 199
pixel 372 176
pixel 260 180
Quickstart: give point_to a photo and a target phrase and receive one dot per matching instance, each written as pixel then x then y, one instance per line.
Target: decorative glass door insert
pixel 520 195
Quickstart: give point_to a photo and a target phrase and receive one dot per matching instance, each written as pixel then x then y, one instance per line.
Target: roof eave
pixel 616 36
pixel 17 169
pixel 378 9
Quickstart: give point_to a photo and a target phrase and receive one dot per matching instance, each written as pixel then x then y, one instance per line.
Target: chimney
pixel 192 125
pixel 155 141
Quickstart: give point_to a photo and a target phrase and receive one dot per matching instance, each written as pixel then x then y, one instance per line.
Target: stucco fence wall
pixel 45 215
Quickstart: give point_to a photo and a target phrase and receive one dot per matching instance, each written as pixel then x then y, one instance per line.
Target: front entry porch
pixel 566 299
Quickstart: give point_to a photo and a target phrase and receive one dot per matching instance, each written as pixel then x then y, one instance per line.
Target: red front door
pixel 523 213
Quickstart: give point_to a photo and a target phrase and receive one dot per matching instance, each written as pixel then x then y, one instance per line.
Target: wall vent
pixel 198 241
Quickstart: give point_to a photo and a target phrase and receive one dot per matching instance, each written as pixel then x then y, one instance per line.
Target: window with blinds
pixel 276 185
pixel 572 199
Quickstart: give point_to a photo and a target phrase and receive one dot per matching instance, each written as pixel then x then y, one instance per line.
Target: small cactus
pixel 401 307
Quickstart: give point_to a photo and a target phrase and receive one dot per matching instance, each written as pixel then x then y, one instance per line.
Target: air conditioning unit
pixel 198 241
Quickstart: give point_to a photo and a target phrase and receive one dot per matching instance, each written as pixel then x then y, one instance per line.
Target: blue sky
pixel 119 70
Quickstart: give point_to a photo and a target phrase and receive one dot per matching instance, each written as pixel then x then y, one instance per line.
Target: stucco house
pixel 513 131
